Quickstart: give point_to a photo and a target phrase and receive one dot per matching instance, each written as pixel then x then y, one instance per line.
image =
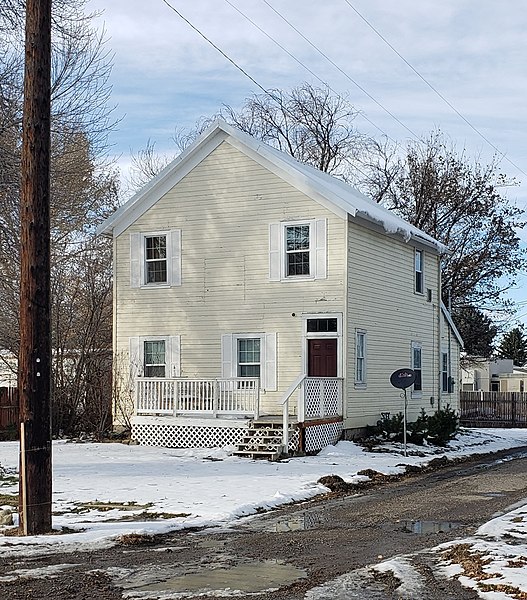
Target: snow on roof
pixel 333 193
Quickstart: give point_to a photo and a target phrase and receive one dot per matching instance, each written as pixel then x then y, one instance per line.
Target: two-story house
pixel 250 287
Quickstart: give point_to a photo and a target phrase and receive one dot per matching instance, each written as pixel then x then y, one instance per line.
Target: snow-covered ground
pixel 103 491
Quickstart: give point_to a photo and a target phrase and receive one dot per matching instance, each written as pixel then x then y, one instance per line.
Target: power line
pixel 217 48
pixel 332 62
pixel 434 89
pixel 302 64
pixel 235 64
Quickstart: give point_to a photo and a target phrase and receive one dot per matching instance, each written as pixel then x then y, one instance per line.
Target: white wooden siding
pixel 224 208
pixel 382 302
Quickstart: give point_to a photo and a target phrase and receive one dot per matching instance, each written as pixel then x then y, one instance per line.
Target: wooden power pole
pixel 34 366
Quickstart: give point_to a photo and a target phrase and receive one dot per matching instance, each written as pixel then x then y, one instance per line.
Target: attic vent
pixel 429 295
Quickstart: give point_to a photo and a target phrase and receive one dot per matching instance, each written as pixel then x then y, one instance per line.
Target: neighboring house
pixel 246 282
pixel 492 375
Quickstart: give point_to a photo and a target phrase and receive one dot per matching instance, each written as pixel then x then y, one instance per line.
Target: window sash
pixel 156 262
pixel 444 372
pixel 154 358
pixel 360 359
pixel 417 361
pixel 419 279
pixel 298 250
pixel 248 357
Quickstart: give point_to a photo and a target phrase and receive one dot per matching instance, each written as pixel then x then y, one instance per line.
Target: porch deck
pixel 209 413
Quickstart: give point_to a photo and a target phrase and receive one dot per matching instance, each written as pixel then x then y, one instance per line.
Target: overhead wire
pixel 332 62
pixel 297 60
pixel 432 87
pixel 241 69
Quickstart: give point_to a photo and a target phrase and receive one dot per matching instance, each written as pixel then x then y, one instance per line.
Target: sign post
pixel 402 379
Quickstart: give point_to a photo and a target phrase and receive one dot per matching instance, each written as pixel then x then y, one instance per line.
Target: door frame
pixel 320 335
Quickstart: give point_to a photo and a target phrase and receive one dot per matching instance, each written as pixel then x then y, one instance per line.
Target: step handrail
pixel 285 411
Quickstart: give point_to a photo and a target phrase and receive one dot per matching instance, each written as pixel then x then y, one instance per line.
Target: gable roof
pixel 332 193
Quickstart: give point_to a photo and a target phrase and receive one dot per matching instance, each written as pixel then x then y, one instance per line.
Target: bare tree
pixel 461 203
pixel 84 190
pixel 309 123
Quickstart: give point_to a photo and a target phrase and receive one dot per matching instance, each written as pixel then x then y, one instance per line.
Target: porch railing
pixel 211 397
pixel 319 398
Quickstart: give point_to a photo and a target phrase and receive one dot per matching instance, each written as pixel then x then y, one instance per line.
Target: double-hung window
pixel 444 372
pixel 155 259
pixel 154 353
pixel 298 250
pixel 249 359
pixel 417 366
pixel 360 357
pixel 419 272
pixel 250 355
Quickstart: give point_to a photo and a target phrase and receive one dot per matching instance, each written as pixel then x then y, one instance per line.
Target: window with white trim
pixel 250 355
pixel 155 259
pixel 156 270
pixel 419 272
pixel 444 372
pixel 360 357
pixel 417 366
pixel 155 356
pixel 297 250
pixel 154 353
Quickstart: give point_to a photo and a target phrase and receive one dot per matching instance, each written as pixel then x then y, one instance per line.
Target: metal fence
pixel 493 409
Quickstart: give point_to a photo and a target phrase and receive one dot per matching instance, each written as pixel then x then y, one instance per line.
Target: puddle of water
pixel 245 578
pixel 427 527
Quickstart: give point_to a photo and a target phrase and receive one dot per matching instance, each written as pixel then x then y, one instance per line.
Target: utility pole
pixel 34 362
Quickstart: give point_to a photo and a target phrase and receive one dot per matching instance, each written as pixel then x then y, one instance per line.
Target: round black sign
pixel 402 378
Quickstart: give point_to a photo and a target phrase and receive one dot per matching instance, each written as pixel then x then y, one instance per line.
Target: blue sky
pixel 473 52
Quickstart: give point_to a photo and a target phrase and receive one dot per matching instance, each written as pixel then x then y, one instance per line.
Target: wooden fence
pixel 493 409
pixel 8 407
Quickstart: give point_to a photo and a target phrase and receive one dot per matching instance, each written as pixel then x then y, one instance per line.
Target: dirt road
pixel 295 549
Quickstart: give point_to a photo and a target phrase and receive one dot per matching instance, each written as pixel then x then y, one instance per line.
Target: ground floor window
pixel 249 358
pixel 155 358
pixel 417 362
pixel 444 372
pixel 360 357
pixel 250 355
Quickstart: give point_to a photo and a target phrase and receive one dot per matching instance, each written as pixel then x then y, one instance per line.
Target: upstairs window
pixel 419 275
pixel 298 250
pixel 156 259
pixel 297 241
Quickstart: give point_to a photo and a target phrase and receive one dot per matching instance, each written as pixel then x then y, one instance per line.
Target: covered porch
pixel 208 413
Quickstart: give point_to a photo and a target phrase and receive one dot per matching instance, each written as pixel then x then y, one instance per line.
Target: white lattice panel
pixel 322 397
pixel 320 436
pixel 186 436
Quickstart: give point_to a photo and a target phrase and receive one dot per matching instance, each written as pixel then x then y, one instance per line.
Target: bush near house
pixel 436 429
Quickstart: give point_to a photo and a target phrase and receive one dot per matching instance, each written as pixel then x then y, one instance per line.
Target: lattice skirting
pixel 186 436
pixel 321 435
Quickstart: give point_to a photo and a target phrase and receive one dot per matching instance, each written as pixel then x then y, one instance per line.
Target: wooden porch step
pixel 263 440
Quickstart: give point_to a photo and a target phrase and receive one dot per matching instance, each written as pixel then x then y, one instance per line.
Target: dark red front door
pixel 322 358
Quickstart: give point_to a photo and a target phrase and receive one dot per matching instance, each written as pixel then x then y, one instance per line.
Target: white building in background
pixel 492 375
